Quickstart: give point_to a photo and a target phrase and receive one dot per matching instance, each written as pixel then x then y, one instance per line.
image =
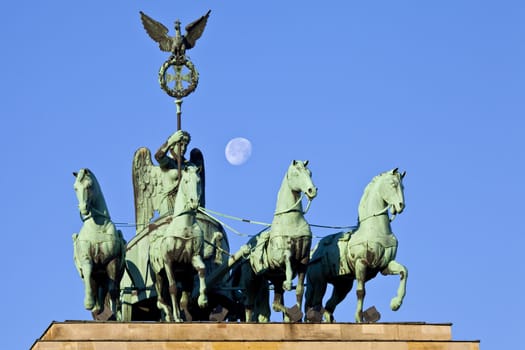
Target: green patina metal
pixel 99 249
pixel 178 266
pixel 359 254
pixel 156 190
pixel 175 250
pixel 281 253
pixel 178 61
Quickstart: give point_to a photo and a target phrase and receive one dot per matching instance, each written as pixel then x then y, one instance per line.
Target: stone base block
pixel 92 335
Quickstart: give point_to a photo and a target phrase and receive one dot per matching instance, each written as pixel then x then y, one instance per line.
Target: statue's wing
pixel 146 187
pixel 194 30
pixel 197 159
pixel 157 31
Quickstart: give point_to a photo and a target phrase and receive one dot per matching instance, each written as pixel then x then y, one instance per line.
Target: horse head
pixel 83 189
pixel 190 189
pixel 392 190
pixel 300 179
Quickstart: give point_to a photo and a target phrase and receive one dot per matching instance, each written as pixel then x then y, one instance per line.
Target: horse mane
pixel 368 188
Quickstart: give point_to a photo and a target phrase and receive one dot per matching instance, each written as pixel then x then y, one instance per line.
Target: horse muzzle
pixel 84 210
pixel 311 192
pixel 398 208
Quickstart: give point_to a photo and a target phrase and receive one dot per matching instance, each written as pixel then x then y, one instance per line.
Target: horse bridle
pixel 296 203
pixel 379 213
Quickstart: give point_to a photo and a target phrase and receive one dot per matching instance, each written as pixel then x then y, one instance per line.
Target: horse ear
pixel 403 174
pixel 305 162
pixel 394 171
pixel 75 174
pixel 294 162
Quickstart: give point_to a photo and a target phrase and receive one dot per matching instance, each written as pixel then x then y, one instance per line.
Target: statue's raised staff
pixel 280 254
pixel 99 249
pixel 359 254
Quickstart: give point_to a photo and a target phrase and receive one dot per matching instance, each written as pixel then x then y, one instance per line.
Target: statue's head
pixel 182 144
pixel 186 138
pixel 177 26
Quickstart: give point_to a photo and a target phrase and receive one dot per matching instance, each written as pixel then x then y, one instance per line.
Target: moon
pixel 238 151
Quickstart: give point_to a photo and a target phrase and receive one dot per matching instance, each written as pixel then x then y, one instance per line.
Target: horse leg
pixel 263 307
pixel 100 287
pixel 277 304
pixel 114 274
pixel 172 285
pixel 262 304
pixel 360 275
pixel 315 291
pixel 184 305
pixel 161 302
pixel 339 292
pixel 299 291
pixel 395 268
pixel 287 285
pixel 84 265
pixel 89 293
pixel 198 264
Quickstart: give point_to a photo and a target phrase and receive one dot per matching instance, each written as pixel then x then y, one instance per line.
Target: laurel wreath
pixel 178 62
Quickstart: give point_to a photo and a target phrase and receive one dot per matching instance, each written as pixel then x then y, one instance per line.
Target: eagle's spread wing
pixel 146 187
pixel 157 31
pixel 194 30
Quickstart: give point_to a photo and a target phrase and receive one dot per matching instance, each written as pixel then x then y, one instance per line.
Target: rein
pixel 379 213
pixel 89 216
pixel 187 212
pixel 292 208
pixel 205 212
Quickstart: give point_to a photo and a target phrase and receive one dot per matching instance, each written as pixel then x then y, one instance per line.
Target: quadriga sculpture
pixel 99 249
pixel 280 254
pixel 175 251
pixel 359 254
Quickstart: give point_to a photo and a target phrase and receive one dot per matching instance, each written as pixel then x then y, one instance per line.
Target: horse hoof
pixel 287 286
pixel 395 304
pixel 89 303
pixel 203 302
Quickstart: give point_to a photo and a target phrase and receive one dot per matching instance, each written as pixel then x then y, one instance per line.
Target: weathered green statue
pixel 99 249
pixel 281 253
pixel 157 189
pixel 175 250
pixel 359 254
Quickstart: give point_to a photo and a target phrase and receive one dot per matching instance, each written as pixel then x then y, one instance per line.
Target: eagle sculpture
pixel 177 44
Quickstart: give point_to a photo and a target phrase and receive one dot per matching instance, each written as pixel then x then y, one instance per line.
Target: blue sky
pixel 435 88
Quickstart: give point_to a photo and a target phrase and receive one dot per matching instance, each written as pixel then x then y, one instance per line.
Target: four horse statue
pixel 280 254
pixel 359 254
pixel 186 245
pixel 175 251
pixel 99 249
